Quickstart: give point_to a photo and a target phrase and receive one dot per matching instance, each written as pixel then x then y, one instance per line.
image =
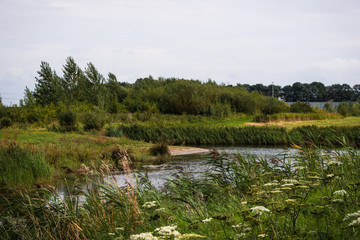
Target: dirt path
pixel 181 150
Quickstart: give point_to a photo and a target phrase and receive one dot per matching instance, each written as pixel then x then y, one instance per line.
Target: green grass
pixel 22 167
pixel 65 152
pixel 313 197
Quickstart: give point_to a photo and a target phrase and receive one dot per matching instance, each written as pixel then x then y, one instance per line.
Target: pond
pixel 195 163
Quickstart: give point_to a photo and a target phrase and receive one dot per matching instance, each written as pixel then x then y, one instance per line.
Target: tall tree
pixel 47 87
pixel 72 78
pixel 95 81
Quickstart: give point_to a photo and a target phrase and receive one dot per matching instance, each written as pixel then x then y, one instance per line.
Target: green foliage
pixel 159 149
pixel 260 136
pixel 310 195
pixel 301 107
pixel 21 167
pixel 344 109
pixel 330 107
pixel 355 109
pixel 5 122
pixel 273 106
pixel 92 121
pixel 67 120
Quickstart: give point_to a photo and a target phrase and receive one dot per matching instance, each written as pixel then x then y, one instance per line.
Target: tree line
pixel 163 95
pixel 308 92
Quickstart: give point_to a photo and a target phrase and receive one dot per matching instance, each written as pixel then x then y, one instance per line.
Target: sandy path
pixel 181 150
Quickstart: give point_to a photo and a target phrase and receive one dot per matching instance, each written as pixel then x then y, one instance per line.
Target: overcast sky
pixel 229 41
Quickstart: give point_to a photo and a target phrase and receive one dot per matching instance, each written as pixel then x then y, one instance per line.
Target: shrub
pixel 5 122
pixel 92 121
pixel 343 109
pixel 355 109
pixel 301 107
pixel 159 149
pixel 67 120
pixel 261 118
pixel 273 106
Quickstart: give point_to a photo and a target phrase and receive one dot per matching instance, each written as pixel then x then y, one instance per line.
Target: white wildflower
pixel 354 223
pixel 149 204
pixel 239 236
pixel 287 185
pixel 243 203
pixel 341 192
pixel 259 210
pixel 167 231
pixel 160 210
pixel 270 184
pixel 262 235
pixel 330 175
pixel 350 215
pixel 332 162
pixel 191 236
pixel 143 236
pixel 206 220
pixel 111 234
pixel 290 180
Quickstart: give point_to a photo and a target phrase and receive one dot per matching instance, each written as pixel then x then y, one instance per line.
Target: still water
pixel 195 163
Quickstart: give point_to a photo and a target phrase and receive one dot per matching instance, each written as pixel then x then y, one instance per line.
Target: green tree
pixel 96 94
pixel 73 82
pixel 47 87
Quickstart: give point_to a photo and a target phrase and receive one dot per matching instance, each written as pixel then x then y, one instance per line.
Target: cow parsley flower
pixel 259 210
pixel 167 231
pixel 341 192
pixel 143 236
pixel 206 220
pixel 149 204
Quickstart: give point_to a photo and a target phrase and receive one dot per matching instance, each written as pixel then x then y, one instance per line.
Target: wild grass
pixel 311 195
pixel 20 166
pixel 319 115
pixel 63 152
pixel 251 135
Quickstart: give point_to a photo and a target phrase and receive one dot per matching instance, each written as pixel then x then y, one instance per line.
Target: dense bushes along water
pixel 264 136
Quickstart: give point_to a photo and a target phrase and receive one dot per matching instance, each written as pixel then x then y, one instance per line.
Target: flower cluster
pixel 341 192
pixel 149 204
pixel 206 220
pixel 167 231
pixel 143 236
pixel 259 210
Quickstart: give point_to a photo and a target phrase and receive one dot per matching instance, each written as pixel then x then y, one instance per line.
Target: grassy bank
pixel 36 155
pixel 314 197
pixel 251 135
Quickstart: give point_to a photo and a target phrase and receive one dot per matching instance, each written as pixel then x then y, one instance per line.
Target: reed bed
pixel 311 195
pixel 256 136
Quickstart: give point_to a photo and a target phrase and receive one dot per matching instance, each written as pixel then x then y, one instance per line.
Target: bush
pixel 343 109
pixel 67 120
pixel 159 149
pixel 301 107
pixel 5 122
pixel 273 106
pixel 92 121
pixel 261 118
pixel 355 109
